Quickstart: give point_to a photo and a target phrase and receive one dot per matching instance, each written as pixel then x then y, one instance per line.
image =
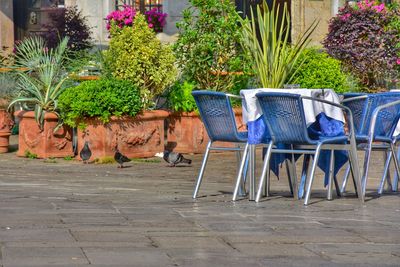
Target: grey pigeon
pixel 120 158
pixel 85 153
pixel 174 158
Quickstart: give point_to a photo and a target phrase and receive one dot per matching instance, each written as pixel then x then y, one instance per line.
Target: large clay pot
pixel 6 124
pixel 187 134
pixel 44 143
pixel 136 137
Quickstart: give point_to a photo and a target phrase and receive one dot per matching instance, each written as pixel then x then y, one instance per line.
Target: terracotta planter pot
pixel 12 69
pixel 138 137
pixel 85 78
pixel 44 143
pixel 6 124
pixel 187 134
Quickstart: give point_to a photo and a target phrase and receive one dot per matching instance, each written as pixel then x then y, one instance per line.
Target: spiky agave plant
pixel 41 83
pixel 266 38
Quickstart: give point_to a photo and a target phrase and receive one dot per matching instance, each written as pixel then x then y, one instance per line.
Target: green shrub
pixel 208 47
pixel 180 97
pixel 274 55
pixel 319 70
pixel 101 98
pixel 135 54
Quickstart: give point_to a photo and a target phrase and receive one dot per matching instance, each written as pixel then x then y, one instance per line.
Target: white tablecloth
pixel 252 110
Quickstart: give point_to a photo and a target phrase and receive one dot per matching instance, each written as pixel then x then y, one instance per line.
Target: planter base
pixel 6 124
pixel 187 134
pixel 138 137
pixel 4 142
pixel 43 143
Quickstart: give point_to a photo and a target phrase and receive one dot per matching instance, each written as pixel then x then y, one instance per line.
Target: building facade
pixel 19 18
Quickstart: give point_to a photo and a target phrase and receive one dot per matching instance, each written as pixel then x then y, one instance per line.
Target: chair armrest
pixel 348 114
pixel 375 115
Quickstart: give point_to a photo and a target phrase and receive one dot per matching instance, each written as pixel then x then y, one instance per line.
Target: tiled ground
pixel 64 213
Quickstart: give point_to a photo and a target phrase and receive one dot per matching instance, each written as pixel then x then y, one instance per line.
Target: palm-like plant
pixel 42 82
pixel 266 39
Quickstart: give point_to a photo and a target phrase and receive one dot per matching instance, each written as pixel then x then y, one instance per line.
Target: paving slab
pixel 134 256
pixel 70 214
pixel 34 256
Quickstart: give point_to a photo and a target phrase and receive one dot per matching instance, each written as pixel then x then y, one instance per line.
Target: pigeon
pixel 120 158
pixel 174 158
pixel 85 153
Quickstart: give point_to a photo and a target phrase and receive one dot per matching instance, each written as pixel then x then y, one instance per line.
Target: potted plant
pixel 208 48
pixel 39 88
pixel 186 132
pixel 108 114
pixel 210 57
pixel 136 55
pixel 138 67
pixel 274 56
pixel 7 90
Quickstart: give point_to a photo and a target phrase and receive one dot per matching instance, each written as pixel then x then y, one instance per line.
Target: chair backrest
pixel 217 115
pixel 363 107
pixel 283 114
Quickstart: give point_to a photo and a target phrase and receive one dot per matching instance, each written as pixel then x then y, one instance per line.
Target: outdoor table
pixel 256 126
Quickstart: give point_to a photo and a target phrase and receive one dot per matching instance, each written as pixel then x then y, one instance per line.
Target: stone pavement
pixel 65 213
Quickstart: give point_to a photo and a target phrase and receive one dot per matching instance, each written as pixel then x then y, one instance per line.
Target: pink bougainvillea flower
pixel 379 8
pixel 345 16
pixel 125 17
pixel 398 61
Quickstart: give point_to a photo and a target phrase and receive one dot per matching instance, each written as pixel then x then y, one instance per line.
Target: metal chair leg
pixel 312 174
pixel 264 172
pixel 396 176
pixel 201 173
pixel 385 175
pixel 331 171
pixel 293 180
pixel 304 172
pixel 240 173
pixel 366 167
pixel 354 180
pixel 242 190
pixel 345 179
pixel 355 170
pixel 396 163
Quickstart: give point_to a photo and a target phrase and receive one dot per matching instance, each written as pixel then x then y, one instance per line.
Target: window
pixel 382 1
pixel 141 5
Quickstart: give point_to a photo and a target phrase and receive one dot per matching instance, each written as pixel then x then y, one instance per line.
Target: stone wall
pixel 6 25
pixel 95 11
pixel 174 10
pixel 304 12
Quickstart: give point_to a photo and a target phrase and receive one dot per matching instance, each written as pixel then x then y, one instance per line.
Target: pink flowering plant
pixel 125 17
pixel 362 38
pixel 156 19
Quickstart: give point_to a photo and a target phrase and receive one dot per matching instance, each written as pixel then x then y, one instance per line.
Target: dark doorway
pixel 31 15
pixel 245 6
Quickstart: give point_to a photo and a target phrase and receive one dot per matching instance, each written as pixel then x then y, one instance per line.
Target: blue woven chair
pixel 284 116
pixel 219 120
pixel 375 118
